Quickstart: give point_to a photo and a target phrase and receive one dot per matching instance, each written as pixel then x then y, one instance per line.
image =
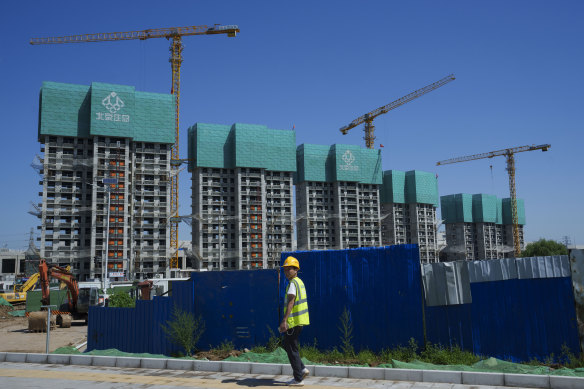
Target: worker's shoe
pixel 305 373
pixel 293 382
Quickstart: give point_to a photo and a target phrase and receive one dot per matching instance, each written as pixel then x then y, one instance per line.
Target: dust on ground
pixel 14 335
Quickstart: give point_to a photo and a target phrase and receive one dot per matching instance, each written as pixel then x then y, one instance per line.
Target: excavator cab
pixel 87 297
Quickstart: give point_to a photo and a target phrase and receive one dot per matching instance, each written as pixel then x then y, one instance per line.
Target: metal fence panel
pixel 380 287
pixel 446 283
pixel 449 325
pixel 237 306
pixel 524 319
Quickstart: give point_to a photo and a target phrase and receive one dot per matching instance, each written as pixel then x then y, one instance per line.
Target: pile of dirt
pixel 4 309
pixel 217 355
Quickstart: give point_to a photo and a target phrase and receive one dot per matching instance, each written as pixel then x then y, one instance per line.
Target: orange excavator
pixel 79 299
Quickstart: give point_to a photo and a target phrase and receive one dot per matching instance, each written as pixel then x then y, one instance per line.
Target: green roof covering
pixel 241 145
pixel 393 189
pixel 507 217
pixel 412 187
pixel 338 163
pixel 457 208
pixel 484 208
pixel 106 110
pixel 479 208
pixel 421 188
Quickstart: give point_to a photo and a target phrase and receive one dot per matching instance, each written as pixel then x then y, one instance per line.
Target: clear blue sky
pixel 318 65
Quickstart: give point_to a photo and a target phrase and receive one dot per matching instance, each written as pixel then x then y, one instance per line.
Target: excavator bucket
pixel 64 320
pixel 37 321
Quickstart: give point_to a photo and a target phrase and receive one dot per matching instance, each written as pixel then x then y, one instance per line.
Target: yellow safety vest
pixel 299 314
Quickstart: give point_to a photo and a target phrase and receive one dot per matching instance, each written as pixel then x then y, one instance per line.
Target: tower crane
pixel 510 156
pixel 368 117
pixel 174 35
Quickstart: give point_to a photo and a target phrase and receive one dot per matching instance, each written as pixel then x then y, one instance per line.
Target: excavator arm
pixel 51 271
pixel 30 283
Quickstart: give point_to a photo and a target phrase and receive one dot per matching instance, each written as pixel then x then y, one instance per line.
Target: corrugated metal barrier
pixel 380 287
pixel 502 308
pixel 521 309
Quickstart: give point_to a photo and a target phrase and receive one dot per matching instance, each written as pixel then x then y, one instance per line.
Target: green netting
pixel 484 208
pixel 421 188
pixel 112 352
pixel 64 110
pixel 242 145
pixel 66 350
pixel 19 313
pixel 355 164
pixel 338 163
pixel 394 187
pixel 457 208
pixel 499 211
pixel 507 217
pixel 262 147
pixel 313 163
pixel 107 110
pixel 4 302
pixel 490 365
pixel 276 356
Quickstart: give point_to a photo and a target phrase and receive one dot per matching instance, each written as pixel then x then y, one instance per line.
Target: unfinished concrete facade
pixel 105 189
pixel 337 197
pixel 408 210
pixel 242 180
pixel 479 226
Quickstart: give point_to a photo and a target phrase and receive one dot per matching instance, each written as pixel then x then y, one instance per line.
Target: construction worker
pixel 295 318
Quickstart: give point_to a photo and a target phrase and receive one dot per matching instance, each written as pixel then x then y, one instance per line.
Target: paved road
pixel 31 375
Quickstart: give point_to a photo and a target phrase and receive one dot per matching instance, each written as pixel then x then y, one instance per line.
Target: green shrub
pixel 121 299
pixel 401 353
pixel 184 329
pixel 569 359
pixel 447 356
pixel 366 357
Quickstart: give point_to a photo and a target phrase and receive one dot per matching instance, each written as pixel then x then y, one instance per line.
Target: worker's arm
pixel 289 306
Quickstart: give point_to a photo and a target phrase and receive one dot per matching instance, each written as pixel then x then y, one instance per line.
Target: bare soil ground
pixel 14 335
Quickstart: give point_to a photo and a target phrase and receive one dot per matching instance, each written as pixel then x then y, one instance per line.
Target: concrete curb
pixel 438 376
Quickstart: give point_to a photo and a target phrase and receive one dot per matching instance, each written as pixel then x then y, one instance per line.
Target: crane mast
pixel 509 155
pixel 368 117
pixel 174 34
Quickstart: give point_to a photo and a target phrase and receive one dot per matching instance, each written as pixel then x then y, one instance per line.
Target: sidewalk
pixel 261 374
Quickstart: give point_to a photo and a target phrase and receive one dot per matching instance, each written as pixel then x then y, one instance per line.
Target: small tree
pixel 346 329
pixel 121 299
pixel 544 247
pixel 184 329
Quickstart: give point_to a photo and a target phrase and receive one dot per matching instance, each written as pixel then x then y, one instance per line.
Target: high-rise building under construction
pixel 408 211
pixel 479 226
pixel 337 197
pixel 105 179
pixel 242 182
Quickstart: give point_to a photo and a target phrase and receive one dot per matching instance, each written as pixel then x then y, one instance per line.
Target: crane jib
pixel 368 117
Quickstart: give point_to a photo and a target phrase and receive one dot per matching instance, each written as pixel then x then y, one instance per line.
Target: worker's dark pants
pixel 290 344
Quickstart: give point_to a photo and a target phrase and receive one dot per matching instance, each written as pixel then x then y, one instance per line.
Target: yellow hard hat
pixel 291 261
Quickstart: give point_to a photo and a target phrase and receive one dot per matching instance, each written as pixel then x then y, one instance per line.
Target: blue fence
pixel 517 319
pixel 380 288
pixel 237 306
